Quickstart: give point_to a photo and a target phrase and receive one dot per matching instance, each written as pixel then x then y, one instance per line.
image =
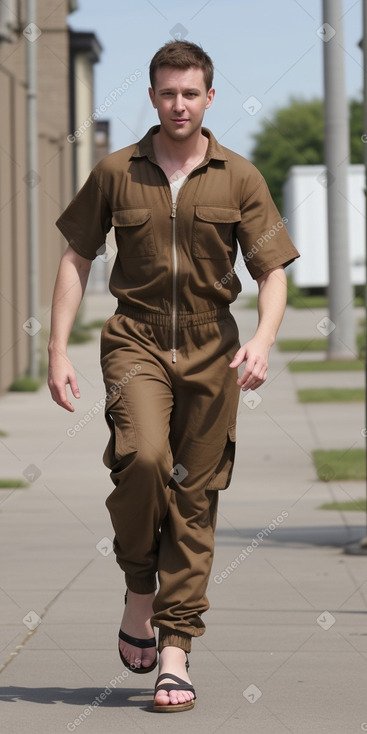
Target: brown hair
pixel 182 55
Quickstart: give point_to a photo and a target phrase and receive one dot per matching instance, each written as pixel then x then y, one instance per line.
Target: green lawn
pixel 358 505
pixel 333 464
pixel 302 345
pixel 332 395
pixel 13 484
pixel 327 365
pixel 25 384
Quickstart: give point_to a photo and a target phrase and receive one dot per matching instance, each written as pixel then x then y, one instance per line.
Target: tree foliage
pixel 294 135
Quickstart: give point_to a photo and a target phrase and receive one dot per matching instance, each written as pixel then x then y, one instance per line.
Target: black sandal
pixel 179 685
pixel 137 642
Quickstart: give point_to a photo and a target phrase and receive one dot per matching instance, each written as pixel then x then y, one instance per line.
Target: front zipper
pixel 174 284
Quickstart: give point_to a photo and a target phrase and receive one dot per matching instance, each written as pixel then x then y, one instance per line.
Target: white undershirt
pixel 175 187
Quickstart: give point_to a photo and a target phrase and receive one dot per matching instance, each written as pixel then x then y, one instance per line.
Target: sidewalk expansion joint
pixel 48 606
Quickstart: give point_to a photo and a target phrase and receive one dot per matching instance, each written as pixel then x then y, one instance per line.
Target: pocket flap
pixel 218 214
pixel 130 217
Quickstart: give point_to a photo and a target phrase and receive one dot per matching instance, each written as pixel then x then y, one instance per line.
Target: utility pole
pixel 359 547
pixel 32 180
pixel 341 338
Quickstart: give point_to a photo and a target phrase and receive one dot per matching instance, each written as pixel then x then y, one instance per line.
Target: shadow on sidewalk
pixel 128 697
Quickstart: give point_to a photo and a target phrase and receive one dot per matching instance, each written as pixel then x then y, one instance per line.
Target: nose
pixel 179 103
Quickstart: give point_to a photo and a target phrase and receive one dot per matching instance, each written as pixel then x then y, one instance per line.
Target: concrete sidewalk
pixel 286 643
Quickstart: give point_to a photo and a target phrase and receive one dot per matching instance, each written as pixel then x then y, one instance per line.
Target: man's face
pixel 180 98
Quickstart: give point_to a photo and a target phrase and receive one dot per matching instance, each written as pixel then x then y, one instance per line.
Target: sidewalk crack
pixel 52 601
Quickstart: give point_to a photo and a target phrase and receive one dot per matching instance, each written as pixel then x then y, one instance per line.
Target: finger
pixel 60 397
pixel 238 358
pixel 74 386
pixel 254 382
pixel 251 377
pixel 248 372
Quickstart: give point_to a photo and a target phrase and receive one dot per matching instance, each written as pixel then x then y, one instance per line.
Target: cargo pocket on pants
pixel 121 446
pixel 222 475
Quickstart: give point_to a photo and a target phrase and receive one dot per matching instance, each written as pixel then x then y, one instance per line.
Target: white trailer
pixel 305 207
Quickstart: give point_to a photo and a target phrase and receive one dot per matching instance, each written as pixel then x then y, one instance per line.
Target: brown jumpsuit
pixel 171 398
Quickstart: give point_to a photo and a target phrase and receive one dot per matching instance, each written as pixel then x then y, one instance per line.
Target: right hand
pixel 60 374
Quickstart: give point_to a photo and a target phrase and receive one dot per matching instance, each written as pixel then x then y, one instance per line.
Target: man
pixel 179 203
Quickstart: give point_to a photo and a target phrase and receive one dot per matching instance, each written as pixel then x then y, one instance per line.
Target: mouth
pixel 180 121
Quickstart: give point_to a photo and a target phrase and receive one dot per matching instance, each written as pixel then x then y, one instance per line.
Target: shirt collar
pixel 144 148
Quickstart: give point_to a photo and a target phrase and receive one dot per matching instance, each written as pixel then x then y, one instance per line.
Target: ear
pixel 209 98
pixel 152 99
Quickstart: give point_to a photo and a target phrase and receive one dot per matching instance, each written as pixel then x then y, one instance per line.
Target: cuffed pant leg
pixel 138 410
pixel 203 446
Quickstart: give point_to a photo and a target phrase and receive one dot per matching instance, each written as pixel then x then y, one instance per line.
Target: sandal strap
pixel 137 641
pixel 180 685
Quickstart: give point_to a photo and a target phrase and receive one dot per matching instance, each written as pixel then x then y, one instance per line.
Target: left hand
pixel 255 353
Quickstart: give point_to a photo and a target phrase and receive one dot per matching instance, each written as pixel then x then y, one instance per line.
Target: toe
pixel 162 698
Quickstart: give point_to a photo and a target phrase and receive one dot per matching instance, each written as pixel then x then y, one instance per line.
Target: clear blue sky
pixel 263 48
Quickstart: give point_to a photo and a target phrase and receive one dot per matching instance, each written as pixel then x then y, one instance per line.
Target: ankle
pixel 170 638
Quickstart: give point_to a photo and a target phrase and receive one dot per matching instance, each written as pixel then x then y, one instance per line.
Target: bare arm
pixel 71 280
pixel 272 301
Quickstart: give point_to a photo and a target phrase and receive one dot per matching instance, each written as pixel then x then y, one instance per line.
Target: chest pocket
pixel 134 232
pixel 214 231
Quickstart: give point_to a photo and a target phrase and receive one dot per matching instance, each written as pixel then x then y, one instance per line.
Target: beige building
pixel 65 62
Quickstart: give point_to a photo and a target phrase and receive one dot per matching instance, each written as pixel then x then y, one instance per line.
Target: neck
pixel 180 151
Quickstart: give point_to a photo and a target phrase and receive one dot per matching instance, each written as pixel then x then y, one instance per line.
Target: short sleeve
pixel 87 219
pixel 262 234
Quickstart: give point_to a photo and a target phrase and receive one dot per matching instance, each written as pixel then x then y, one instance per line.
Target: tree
pixel 294 135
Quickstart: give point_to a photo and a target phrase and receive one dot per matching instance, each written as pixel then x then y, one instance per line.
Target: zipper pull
pixel 173 212
pixel 173 355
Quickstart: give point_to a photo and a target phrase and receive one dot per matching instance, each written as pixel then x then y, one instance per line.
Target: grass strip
pixel 356 506
pixel 13 484
pixel 25 384
pixel 302 345
pixel 332 395
pixel 334 464
pixel 327 365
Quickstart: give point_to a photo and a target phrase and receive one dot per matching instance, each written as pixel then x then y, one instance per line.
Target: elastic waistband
pixel 184 318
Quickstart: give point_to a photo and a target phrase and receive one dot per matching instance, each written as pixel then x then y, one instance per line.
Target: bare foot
pixel 172 660
pixel 136 623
